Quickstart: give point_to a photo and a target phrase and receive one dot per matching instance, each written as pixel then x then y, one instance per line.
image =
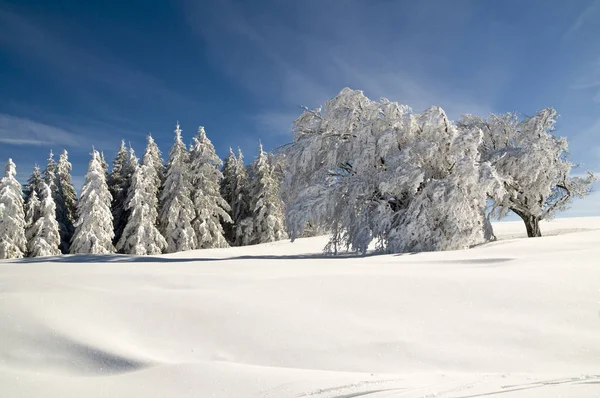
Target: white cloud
pixel 587 14
pixel 20 131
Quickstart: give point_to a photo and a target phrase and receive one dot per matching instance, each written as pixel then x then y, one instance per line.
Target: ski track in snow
pixel 513 318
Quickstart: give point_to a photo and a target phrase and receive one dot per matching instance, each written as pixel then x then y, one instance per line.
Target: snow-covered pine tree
pixel 210 207
pixel 94 231
pixel 118 184
pixel 176 207
pixel 154 152
pixel 141 236
pixel 32 212
pixel 65 201
pixel 34 184
pixel 241 202
pixel 12 216
pixel 43 237
pixel 267 207
pixel 227 188
pixel 532 164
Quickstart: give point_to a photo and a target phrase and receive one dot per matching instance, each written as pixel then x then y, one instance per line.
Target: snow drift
pixel 517 317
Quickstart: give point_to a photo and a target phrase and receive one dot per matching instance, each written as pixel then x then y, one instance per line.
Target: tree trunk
pixel 532 224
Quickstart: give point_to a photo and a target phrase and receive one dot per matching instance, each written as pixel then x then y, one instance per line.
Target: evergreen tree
pixel 118 183
pixel 34 184
pixel 242 208
pixel 43 235
pixel 141 236
pixel 94 228
pixel 156 155
pixel 65 201
pixel 177 209
pixel 209 205
pixel 12 216
pixel 32 212
pixel 267 209
pixel 227 190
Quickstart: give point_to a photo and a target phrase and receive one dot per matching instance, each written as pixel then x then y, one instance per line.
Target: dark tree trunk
pixel 532 224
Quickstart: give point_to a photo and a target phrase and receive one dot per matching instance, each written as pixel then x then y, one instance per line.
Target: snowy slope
pixel 518 318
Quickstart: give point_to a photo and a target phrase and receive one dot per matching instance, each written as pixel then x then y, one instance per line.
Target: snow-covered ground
pixel 518 317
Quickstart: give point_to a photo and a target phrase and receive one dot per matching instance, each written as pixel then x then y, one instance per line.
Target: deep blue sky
pixel 79 73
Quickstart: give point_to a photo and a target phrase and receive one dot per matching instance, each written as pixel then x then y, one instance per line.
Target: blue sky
pixel 79 73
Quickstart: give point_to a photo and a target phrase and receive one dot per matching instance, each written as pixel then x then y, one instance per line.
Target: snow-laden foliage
pixel 12 216
pixel 32 211
pixel 119 181
pixel 94 231
pixel 210 207
pixel 267 207
pixel 370 170
pixel 43 236
pixel 141 235
pixel 66 200
pixel 176 207
pixel 34 184
pixel 157 160
pixel 532 163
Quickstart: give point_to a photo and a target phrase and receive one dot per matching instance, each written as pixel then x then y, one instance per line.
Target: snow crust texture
pixel 512 318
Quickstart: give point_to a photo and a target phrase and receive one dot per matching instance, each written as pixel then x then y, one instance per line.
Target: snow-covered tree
pixel 119 181
pixel 532 164
pixel 156 155
pixel 94 231
pixel 43 237
pixel 267 207
pixel 65 201
pixel 141 236
pixel 235 190
pixel 210 207
pixel 34 184
pixel 12 216
pixel 32 211
pixel 373 171
pixel 227 192
pixel 176 207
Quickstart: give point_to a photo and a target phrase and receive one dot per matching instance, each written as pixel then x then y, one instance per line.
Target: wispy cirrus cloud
pixel 585 16
pixel 23 132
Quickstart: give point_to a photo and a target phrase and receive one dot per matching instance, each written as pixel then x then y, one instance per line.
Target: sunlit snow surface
pixel 515 318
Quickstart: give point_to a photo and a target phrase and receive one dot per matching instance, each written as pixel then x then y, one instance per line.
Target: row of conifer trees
pixel 143 206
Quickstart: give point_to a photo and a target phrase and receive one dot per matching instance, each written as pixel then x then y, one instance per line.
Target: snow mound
pixel 516 317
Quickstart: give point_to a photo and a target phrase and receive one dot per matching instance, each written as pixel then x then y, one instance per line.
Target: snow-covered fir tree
pixel 373 171
pixel 267 207
pixel 532 164
pixel 210 207
pixel 66 199
pixel 43 237
pixel 176 207
pixel 119 181
pixel 235 191
pixel 32 211
pixel 157 160
pixel 141 235
pixel 34 184
pixel 227 192
pixel 94 231
pixel 12 216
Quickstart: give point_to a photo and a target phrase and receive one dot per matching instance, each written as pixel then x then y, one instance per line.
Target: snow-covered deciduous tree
pixel 34 184
pixel 373 171
pixel 94 231
pixel 119 181
pixel 12 216
pixel 267 207
pixel 210 207
pixel 141 235
pixel 176 207
pixel 532 164
pixel 43 237
pixel 65 201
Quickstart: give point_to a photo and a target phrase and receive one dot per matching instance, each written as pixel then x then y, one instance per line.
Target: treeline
pixel 142 206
